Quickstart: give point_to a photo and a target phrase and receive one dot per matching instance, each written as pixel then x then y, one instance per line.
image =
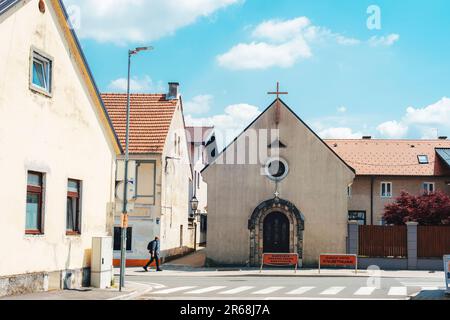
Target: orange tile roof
pixel 392 157
pixel 150 119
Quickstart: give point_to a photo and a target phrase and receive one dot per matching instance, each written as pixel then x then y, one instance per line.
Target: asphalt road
pixel 255 287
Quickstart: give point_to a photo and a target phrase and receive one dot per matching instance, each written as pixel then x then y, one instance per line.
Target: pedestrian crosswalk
pixel 394 291
pixel 332 290
pixel 397 291
pixel 365 291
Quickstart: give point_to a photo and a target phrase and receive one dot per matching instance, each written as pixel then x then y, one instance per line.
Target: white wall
pixel 175 200
pixel 60 136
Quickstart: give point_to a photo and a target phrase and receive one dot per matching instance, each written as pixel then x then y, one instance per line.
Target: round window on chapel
pixel 277 169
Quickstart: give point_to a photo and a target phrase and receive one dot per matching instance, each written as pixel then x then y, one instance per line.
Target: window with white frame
pixel 428 187
pixel 349 191
pixel 386 189
pixel 41 72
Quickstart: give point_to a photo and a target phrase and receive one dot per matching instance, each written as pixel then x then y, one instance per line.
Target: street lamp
pixel 194 207
pixel 194 204
pixel 124 224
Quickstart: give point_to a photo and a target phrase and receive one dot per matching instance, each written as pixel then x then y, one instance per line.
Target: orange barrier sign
pixel 338 260
pixel 280 259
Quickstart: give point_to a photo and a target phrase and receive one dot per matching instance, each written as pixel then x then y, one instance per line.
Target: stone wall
pixel 44 281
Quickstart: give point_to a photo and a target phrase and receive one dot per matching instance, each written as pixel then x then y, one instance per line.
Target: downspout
pixel 372 181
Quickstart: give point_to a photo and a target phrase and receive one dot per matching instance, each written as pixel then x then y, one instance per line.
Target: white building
pixel 202 151
pixel 58 152
pixel 161 172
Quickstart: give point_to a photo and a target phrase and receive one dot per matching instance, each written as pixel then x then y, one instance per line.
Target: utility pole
pixel 124 224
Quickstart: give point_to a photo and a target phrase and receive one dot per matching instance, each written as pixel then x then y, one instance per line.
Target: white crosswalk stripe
pixel 268 290
pixel 430 288
pixel 206 290
pixel 300 290
pixel 173 290
pixel 365 291
pixel 237 290
pixel 332 290
pixel 397 291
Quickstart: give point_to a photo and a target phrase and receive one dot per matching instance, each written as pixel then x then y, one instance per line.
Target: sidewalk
pixel 193 266
pixel 131 290
pixel 186 271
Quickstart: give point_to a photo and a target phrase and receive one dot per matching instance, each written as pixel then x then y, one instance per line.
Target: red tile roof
pixel 151 116
pixel 391 157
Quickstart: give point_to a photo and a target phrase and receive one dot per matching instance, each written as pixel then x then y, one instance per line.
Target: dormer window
pixel 423 159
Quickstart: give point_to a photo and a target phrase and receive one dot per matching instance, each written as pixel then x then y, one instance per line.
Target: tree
pixel 426 209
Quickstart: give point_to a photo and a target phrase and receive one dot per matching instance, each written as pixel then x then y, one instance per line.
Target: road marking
pixel 236 290
pixel 205 290
pixel 397 291
pixel 301 290
pixel 365 291
pixel 268 290
pixel 330 298
pixel 423 284
pixel 430 288
pixel 332 290
pixel 173 290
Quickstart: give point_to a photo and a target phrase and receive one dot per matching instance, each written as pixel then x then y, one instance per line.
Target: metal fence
pixel 433 241
pixel 383 241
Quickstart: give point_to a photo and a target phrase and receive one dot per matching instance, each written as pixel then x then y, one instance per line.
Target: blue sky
pixel 344 79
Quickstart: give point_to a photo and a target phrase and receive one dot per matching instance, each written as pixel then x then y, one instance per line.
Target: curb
pixel 135 293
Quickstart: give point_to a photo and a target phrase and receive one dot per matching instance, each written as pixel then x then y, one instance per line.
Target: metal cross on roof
pixel 278 93
pixel 277 109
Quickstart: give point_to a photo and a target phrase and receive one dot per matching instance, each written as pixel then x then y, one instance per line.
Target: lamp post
pixel 194 207
pixel 124 224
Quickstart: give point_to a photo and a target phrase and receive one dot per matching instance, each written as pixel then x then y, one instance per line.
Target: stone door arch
pixel 256 227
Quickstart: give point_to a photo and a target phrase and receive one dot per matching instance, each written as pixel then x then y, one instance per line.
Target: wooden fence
pixel 433 241
pixel 383 241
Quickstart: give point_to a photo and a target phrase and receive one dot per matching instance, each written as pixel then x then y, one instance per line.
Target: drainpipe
pixel 372 181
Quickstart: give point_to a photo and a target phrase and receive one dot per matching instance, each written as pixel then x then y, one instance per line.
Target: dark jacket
pixel 154 247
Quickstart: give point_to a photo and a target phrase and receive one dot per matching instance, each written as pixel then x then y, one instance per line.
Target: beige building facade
pixel 58 152
pixel 160 171
pixel 202 146
pixel 386 168
pixel 277 188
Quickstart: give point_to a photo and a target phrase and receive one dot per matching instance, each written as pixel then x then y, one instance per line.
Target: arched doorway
pixel 276 231
pixel 263 223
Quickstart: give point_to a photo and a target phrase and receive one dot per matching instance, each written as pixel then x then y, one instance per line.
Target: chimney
pixel 173 91
pixel 443 138
pixel 367 137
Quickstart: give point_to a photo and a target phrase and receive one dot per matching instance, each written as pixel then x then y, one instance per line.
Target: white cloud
pixel 342 109
pixel 277 30
pixel 386 41
pixel 137 85
pixel 199 104
pixel 393 129
pixel 124 21
pixel 261 55
pixel 435 114
pixel 339 133
pixel 425 122
pixel 230 123
pixel 279 43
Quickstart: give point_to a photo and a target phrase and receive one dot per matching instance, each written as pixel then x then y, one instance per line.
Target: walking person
pixel 154 250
